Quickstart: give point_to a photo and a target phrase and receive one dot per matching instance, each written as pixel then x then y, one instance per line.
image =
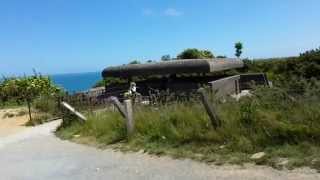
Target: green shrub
pixel 47 104
pixel 39 119
pixel 105 127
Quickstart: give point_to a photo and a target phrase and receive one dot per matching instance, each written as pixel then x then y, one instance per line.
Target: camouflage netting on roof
pixel 185 66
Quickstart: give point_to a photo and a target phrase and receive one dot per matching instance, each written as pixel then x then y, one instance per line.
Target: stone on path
pixel 258 155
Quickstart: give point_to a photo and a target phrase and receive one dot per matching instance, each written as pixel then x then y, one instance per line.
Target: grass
pixel 11 104
pixel 271 121
pixel 39 118
pixel 45 109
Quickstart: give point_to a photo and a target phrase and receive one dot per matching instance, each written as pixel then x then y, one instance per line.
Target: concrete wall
pixel 225 86
pixel 235 84
pixel 220 84
pixel 246 80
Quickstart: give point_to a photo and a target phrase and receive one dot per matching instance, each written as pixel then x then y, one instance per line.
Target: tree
pixel 28 88
pixel 238 47
pixel 221 56
pixel 135 62
pixel 35 86
pixel 207 54
pixel 194 53
pixel 165 57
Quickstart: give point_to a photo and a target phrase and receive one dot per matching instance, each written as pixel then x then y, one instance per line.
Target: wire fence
pixel 93 101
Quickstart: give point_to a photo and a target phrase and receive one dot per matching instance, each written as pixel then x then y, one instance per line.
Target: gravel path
pixel 36 153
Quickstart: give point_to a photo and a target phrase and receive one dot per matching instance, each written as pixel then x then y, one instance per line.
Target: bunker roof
pixel 181 66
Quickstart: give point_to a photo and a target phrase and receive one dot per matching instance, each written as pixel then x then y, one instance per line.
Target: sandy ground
pixel 36 153
pixel 14 124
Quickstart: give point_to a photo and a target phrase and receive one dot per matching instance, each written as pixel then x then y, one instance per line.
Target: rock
pixel 145 102
pixel 258 155
pixel 243 93
pixel 8 115
pixel 223 100
pixel 198 156
pixel 315 161
pixel 283 162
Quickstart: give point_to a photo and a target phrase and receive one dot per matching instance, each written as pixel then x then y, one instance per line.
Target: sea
pixel 76 82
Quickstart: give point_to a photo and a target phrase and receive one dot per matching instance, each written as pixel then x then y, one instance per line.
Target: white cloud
pixel 147 12
pixel 172 12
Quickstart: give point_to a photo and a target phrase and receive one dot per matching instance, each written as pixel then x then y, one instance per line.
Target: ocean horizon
pixel 76 82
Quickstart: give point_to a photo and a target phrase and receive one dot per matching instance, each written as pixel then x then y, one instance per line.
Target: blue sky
pixel 66 36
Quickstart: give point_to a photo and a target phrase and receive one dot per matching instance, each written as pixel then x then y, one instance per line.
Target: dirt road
pixel 35 153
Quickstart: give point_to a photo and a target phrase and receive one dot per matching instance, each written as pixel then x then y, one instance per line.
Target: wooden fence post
pixel 215 121
pixel 129 118
pixel 126 111
pixel 118 105
pixel 73 111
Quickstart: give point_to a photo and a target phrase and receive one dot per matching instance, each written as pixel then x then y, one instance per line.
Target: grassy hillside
pixel 295 74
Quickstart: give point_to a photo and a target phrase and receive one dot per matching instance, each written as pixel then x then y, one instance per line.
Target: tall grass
pixel 270 120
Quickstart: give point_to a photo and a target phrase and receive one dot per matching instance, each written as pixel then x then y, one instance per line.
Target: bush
pixel 39 118
pixel 107 127
pixel 194 53
pixel 46 104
